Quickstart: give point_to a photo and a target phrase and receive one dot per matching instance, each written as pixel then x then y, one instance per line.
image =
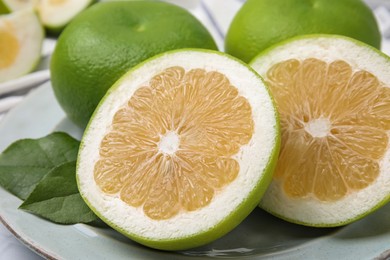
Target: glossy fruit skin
pixel 262 23
pixel 108 39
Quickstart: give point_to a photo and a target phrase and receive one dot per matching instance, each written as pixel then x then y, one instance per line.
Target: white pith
pixel 318 127
pixel 15 5
pixel 253 158
pixel 28 31
pixel 309 210
pixel 169 143
pixel 57 15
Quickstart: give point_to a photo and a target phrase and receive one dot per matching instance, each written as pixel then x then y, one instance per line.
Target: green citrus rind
pixel 261 23
pixel 4 8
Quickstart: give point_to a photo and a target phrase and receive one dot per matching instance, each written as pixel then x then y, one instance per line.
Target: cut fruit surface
pixel 21 37
pixel 176 135
pixel 180 150
pixel 56 14
pixel 333 96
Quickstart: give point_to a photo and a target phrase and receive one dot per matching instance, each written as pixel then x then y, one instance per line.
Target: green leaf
pixel 56 197
pixel 25 162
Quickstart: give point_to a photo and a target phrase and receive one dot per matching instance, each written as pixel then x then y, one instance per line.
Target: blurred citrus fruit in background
pixel 54 15
pixel 8 6
pixel 21 37
pixel 262 23
pixel 180 150
pixel 109 38
pixel 333 96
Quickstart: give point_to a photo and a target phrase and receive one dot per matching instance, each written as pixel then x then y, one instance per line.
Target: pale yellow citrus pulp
pixel 9 45
pixel 170 147
pixel 335 123
pixel 21 37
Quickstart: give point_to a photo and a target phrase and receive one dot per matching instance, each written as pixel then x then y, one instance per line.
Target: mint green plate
pixel 260 236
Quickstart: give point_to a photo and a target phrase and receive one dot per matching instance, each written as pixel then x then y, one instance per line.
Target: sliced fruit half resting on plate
pixel 333 96
pixel 180 150
pixel 21 38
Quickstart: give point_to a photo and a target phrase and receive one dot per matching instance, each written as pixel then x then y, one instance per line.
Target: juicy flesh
pixel 9 46
pixel 170 148
pixel 335 124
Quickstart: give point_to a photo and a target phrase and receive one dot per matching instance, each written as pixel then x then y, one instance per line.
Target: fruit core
pixel 170 148
pixel 319 127
pixel 335 124
pixel 9 46
pixel 169 143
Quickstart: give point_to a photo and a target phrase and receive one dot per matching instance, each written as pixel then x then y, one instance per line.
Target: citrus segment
pixel 180 149
pixel 334 120
pixel 21 37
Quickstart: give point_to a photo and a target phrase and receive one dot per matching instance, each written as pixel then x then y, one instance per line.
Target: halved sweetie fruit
pixel 180 150
pixel 333 96
pixel 21 38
